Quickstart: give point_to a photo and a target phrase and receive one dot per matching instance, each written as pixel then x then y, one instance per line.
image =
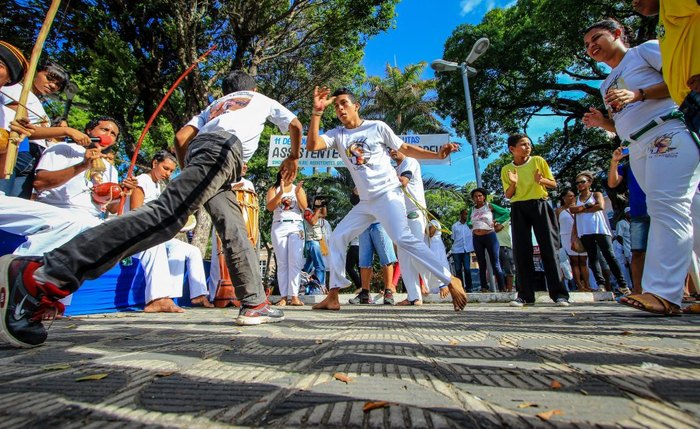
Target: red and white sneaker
pixel 263 313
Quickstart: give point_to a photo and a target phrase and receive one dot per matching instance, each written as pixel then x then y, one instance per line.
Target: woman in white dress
pixel 578 260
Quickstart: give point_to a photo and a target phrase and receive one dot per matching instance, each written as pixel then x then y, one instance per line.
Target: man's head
pixel 104 126
pixel 50 78
pixel 646 7
pixel 13 65
pixel 244 169
pixel 397 156
pixel 320 204
pixel 519 145
pixel 347 109
pixel 627 213
pixel 463 216
pixel 238 81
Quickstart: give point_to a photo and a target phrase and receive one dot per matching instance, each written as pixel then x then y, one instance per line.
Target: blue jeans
pixel 488 243
pixel 462 270
pixel 375 239
pixel 314 260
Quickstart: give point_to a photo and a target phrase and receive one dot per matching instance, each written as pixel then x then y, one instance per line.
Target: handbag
pixel 576 243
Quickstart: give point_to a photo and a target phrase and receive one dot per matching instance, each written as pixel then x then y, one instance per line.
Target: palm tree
pixel 401 100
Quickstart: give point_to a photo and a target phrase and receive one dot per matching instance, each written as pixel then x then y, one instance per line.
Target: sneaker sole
pixel 254 321
pixel 4 304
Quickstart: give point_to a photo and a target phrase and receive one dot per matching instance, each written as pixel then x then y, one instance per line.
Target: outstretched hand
pixel 321 98
pixel 594 118
pixel 289 169
pixel 447 149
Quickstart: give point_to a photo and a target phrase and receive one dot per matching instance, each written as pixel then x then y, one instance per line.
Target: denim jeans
pixel 462 270
pixel 213 161
pixel 482 245
pixel 314 260
pixel 375 239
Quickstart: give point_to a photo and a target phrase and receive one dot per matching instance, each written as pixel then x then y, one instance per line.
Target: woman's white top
pixel 591 223
pixel 288 209
pixel 482 218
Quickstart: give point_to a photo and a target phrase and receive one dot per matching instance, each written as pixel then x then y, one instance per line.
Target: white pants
pixel 666 163
pixel 153 262
pixel 437 248
pixel 409 271
pixel 288 243
pixel 45 227
pixel 389 209
pixel 183 256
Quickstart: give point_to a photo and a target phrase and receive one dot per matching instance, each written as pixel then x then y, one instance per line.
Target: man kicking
pixel 211 149
pixel 363 146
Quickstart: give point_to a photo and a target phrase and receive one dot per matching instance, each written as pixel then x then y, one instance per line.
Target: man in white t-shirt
pixel 211 149
pixel 411 178
pixel 363 146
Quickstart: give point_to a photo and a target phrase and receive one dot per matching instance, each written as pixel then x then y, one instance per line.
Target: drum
pixel 250 208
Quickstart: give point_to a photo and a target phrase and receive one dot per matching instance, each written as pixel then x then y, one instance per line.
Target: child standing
pixel 525 182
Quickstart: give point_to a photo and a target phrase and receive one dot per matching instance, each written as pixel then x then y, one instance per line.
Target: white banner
pixel 281 145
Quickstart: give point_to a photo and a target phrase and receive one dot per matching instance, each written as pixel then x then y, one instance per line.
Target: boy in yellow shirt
pixel 525 182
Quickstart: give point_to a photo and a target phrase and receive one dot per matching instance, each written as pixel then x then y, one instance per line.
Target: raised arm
pixel 614 179
pixel 417 152
pixel 321 101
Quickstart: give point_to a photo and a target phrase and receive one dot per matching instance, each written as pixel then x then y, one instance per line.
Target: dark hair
pixel 162 155
pixel 513 139
pixel 345 91
pixel 93 123
pixel 278 180
pixel 238 81
pixel 563 194
pixel 483 191
pixel 609 25
pixel 55 73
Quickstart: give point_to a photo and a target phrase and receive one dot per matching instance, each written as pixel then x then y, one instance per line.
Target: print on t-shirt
pixel 288 203
pixel 229 105
pixel 359 153
pixel 617 83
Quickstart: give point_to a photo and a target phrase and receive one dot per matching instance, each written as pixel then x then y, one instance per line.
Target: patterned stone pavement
pixel 596 365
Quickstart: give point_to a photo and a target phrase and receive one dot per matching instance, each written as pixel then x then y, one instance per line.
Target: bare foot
pixel 203 301
pixel 459 297
pixel 331 302
pixel 281 303
pixel 444 292
pixel 162 305
pixel 407 302
pixel 296 302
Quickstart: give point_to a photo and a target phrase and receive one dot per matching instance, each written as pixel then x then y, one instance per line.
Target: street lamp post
pixel 478 49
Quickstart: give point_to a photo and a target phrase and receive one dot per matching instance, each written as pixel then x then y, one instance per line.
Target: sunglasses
pixel 581 182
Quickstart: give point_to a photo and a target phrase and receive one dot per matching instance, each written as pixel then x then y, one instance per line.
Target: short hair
pixel 236 81
pixel 56 73
pixel 345 91
pixel 587 174
pixel 93 123
pixel 483 191
pixel 162 155
pixel 609 25
pixel 513 139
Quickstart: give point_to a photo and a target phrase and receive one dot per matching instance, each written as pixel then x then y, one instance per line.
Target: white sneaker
pixel 562 302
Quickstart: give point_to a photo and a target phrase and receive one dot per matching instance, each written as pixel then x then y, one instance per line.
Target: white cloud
pixel 468 6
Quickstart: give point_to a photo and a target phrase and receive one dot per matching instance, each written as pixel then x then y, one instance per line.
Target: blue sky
pixel 422 27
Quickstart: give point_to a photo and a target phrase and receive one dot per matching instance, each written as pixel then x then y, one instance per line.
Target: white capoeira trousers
pixel 438 249
pixel 666 163
pixel 409 271
pixel 184 256
pixel 153 263
pixel 288 243
pixel 388 208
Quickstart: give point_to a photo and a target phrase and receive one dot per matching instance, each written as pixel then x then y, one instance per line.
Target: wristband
pixel 642 94
pixel 317 113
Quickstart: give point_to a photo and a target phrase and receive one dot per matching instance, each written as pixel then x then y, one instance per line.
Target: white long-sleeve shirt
pixel 462 236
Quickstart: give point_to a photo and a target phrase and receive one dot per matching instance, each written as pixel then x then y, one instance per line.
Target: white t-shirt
pixel 35 112
pixel 365 152
pixel 463 238
pixel 75 193
pixel 151 189
pixel 415 185
pixel 639 68
pixel 243 114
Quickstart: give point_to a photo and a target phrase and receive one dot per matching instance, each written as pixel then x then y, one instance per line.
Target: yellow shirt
pixel 527 189
pixel 679 40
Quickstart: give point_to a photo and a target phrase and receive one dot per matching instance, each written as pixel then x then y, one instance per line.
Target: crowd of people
pixel 66 197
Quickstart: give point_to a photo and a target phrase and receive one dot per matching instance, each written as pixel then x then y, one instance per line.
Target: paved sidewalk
pixel 596 365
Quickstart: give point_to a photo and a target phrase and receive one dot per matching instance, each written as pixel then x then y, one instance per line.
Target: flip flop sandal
pixel 406 302
pixel 650 303
pixel 692 309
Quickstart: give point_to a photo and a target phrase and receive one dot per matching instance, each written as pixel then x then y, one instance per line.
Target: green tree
pixel 401 100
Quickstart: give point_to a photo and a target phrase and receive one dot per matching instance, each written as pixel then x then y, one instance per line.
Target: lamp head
pixel 478 49
pixel 442 65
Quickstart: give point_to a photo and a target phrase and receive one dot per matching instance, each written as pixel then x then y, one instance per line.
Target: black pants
pixel 602 242
pixel 213 161
pixel 352 265
pixel 539 216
